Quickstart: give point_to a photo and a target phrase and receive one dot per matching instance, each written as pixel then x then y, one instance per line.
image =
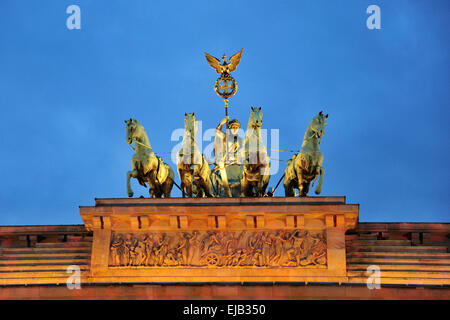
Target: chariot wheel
pixel 212 259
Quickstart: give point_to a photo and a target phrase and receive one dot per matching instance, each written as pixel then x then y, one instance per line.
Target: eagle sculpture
pixel 225 67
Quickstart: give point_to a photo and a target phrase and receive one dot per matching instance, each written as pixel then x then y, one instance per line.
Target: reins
pixel 139 143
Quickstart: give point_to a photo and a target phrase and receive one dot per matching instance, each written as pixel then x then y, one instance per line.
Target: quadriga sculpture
pixel 145 165
pixel 193 168
pixel 306 166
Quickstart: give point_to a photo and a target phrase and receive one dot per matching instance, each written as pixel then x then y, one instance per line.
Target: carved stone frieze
pixel 231 249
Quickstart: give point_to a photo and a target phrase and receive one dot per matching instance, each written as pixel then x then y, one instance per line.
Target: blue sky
pixel 65 93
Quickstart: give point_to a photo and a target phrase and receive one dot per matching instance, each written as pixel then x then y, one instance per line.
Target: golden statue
pixel 226 175
pixel 145 165
pixel 225 67
pixel 193 168
pixel 225 85
pixel 306 166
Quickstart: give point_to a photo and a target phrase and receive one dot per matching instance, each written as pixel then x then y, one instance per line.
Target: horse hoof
pixel 318 191
pixel 130 194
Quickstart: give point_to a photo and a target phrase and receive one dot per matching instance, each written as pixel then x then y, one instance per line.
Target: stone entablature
pixel 219 240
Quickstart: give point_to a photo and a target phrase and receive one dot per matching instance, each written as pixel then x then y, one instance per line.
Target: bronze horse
pixel 256 163
pixel 306 166
pixel 193 168
pixel 145 165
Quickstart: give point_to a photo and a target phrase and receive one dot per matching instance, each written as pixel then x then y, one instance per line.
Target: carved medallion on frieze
pixel 230 249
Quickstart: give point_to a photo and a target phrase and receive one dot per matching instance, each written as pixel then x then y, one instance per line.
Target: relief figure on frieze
pixel 194 249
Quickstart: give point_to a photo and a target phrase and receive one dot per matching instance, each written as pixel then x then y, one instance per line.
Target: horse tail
pixel 205 169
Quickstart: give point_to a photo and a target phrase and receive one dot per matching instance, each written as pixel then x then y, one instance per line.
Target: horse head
pixel 318 124
pixel 190 124
pixel 255 120
pixel 132 129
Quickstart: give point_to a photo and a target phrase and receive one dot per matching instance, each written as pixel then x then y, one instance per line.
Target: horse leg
pixel 224 177
pixel 152 184
pixel 244 186
pixel 264 180
pixel 289 181
pixel 160 189
pixel 188 184
pixel 300 182
pixel 319 184
pixel 167 187
pixel 156 192
pixel 259 187
pixel 249 189
pixel 182 186
pixel 204 187
pixel 306 185
pixel 289 185
pixel 208 187
pixel 198 191
pixel 288 190
pixel 192 181
pixel 214 185
pixel 131 174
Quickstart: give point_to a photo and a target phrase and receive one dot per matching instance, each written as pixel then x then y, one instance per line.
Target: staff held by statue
pixel 225 86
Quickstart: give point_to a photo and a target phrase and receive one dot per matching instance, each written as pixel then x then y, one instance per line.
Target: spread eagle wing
pixel 214 62
pixel 234 60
